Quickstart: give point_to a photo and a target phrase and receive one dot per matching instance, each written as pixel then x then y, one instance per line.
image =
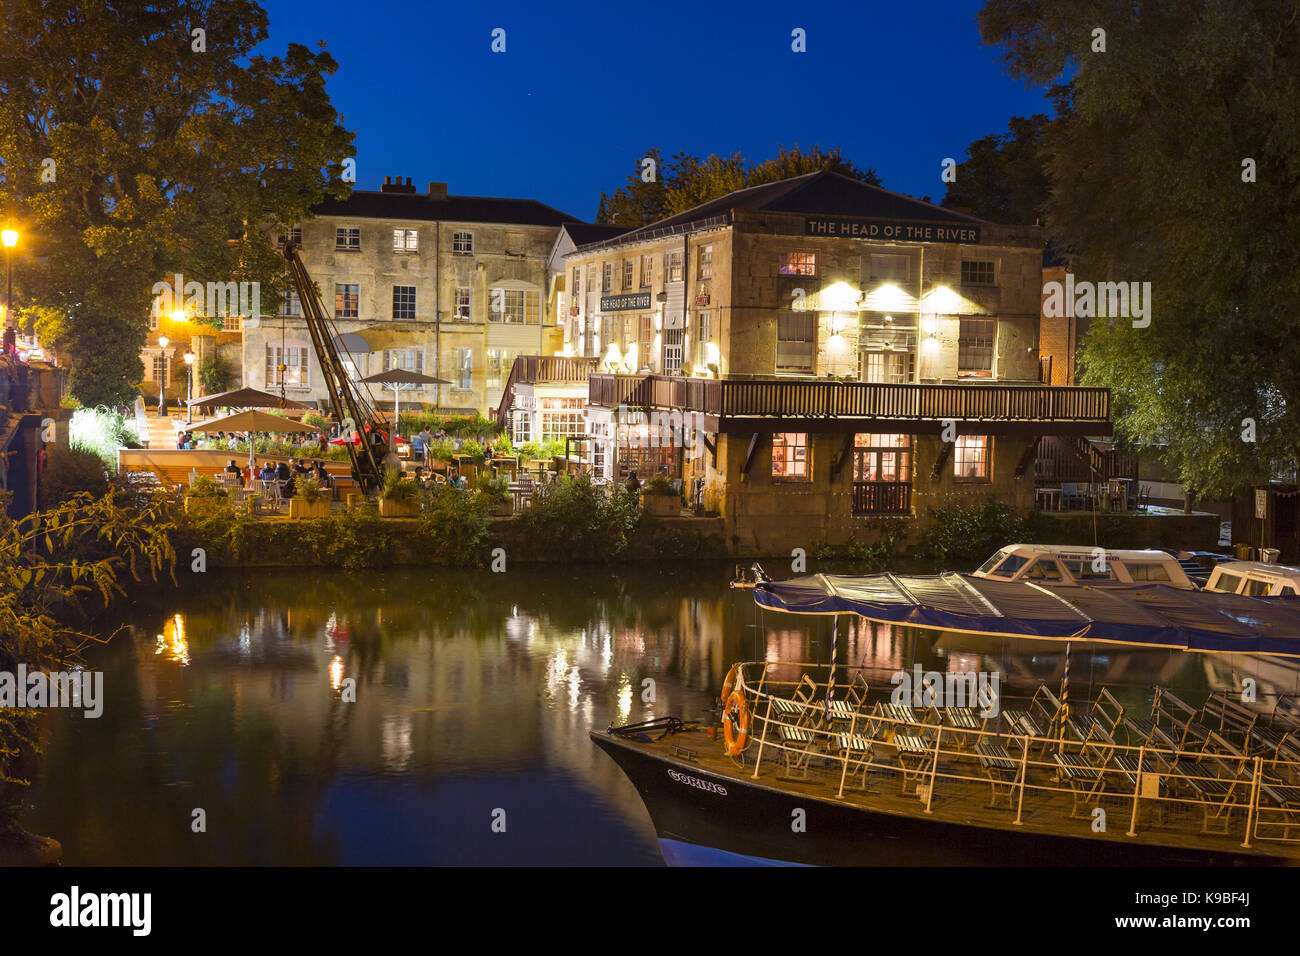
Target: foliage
pixel 456 426
pixel 960 536
pixel 397 488
pixel 205 486
pixel 103 431
pixel 658 485
pixel 215 374
pixel 473 449
pixel 158 154
pixel 1192 89
pixel 1004 176
pixel 308 490
pixel 71 471
pixel 578 517
pixel 495 491
pixel 685 181
pixel 316 420
pixel 453 527
pixel 544 450
pixel 56 567
pixel 864 558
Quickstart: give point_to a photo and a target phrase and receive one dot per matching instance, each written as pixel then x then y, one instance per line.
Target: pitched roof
pixel 367 204
pixel 820 193
pixel 582 233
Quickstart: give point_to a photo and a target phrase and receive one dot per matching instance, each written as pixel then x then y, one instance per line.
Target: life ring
pixel 735 715
pixel 729 684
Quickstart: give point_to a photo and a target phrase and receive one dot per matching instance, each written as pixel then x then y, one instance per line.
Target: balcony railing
pixel 739 405
pixel 882 498
pixel 533 369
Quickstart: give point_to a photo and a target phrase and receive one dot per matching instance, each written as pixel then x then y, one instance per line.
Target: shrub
pixel 495 491
pixel 205 486
pixel 961 536
pixel 473 449
pixel 69 471
pixel 397 488
pixel 576 514
pixel 215 374
pixel 316 420
pixel 308 490
pixel 658 485
pixel 454 527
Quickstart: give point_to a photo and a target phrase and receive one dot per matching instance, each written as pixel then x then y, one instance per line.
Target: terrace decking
pixel 739 406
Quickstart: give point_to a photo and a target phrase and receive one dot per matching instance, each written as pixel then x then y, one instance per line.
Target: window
pixel 629 267
pixel 673 351
pixel 886 368
pixel 882 457
pixel 159 369
pixel 523 422
pixel 797 264
pixel 796 341
pixel 1228 583
pixel 296 369
pixel 464 308
pixel 292 305
pixel 562 418
pixel 1256 588
pixel 978 272
pixel 514 243
pixel 975 347
pixel 703 333
pixel 347 239
pixel 790 455
pixel 647 271
pixel 706 262
pixel 153 319
pixel 406 240
pixel 403 301
pixel 499 362
pixel 673 266
pixel 231 322
pixel 647 339
pixel 293 234
pixel 888 268
pixel 346 297
pixel 970 458
pixel 577 284
pixel 514 306
pixel 606 276
pixel 1147 571
pixel 462 243
pixel 1044 569
pixel 1009 567
pixel 591 277
pixel 409 360
pixel 462 373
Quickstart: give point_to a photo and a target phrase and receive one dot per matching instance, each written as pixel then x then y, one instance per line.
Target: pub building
pixel 836 352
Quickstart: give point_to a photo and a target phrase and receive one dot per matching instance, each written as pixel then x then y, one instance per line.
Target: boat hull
pixel 712 819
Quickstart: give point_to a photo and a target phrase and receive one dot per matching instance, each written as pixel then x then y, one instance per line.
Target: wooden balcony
pixel 882 497
pixel 766 405
pixel 535 369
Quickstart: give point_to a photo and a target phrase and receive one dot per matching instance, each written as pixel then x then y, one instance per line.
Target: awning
pixel 353 343
pixel 1150 615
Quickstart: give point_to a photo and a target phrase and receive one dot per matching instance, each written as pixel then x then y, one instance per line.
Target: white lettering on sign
pixel 698 783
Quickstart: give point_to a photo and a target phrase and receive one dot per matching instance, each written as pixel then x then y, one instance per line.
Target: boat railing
pixel 1213 788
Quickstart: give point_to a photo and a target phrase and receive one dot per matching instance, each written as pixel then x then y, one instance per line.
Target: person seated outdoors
pixel 285 476
pixel 417 446
pixel 180 441
pixel 233 469
pixel 323 476
pixel 633 483
pixel 302 467
pixel 268 472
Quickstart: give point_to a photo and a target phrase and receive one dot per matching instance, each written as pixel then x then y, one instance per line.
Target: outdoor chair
pixel 857 749
pixel 799 709
pixel 1105 711
pixel 1002 769
pixel 1085 771
pixel 271 493
pixel 1181 718
pixel 854 701
pixel 1216 782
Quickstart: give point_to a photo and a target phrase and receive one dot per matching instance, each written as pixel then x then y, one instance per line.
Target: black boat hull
pixel 705 818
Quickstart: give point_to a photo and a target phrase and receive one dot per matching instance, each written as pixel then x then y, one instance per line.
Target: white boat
pixel 1067 565
pixel 1254 579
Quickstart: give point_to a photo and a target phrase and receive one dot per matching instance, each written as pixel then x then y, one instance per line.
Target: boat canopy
pixel 1150 615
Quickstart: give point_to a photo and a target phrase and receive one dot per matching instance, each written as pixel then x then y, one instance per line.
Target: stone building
pixel 451 286
pixel 826 352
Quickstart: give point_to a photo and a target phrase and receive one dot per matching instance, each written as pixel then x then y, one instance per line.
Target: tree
pixel 686 181
pixel 135 148
pixel 1175 165
pixel 215 374
pixel 1004 176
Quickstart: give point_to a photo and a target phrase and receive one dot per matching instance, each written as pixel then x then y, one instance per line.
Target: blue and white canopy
pixel 1149 615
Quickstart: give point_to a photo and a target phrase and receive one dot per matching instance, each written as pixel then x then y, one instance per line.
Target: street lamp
pixel 189 385
pixel 162 379
pixel 9 238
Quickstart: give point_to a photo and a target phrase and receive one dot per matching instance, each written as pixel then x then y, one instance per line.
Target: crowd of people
pixel 284 474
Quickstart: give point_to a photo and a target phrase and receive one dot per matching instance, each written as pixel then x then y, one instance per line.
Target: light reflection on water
pixel 471 694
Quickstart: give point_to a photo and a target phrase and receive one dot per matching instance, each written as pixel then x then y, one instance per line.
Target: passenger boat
pixel 1060 564
pixel 1255 579
pixel 810 764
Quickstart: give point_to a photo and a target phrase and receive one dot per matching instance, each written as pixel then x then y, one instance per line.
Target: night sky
pixel 583 89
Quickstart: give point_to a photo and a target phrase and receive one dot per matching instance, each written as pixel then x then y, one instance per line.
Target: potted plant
pixel 202 489
pixel 496 492
pixel 399 497
pixel 659 498
pixel 308 500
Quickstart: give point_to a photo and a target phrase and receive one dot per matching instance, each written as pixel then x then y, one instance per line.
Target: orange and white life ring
pixel 735 724
pixel 729 684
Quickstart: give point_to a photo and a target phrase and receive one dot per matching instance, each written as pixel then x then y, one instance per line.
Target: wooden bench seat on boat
pixel 854 702
pixel 855 747
pixel 1229 716
pixel 1000 767
pixel 1181 718
pixel 1106 712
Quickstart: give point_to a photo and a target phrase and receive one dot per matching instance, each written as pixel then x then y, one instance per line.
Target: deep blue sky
pixel 584 88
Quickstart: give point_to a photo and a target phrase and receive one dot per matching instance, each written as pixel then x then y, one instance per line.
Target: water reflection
pixel 468 694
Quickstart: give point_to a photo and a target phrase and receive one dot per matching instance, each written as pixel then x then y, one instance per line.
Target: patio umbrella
pixel 249 421
pixel 400 376
pixel 245 398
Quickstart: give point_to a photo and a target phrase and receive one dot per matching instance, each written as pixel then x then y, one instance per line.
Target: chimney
pixel 437 190
pixel 393 184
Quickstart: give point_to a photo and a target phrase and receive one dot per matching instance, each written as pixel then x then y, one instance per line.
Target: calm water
pixel 474 693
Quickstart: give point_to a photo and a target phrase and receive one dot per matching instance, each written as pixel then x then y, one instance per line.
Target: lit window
pixel 406 240
pixel 562 418
pixel 464 303
pixel 514 306
pixel 347 239
pixel 462 243
pixel 882 457
pixel 706 262
pixel 408 360
pixel 673 266
pixel 970 457
pixel 293 234
pixel 673 345
pixel 296 370
pixel 159 369
pixel 887 368
pixel 462 368
pixel 790 455
pixel 797 264
pixel 346 298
